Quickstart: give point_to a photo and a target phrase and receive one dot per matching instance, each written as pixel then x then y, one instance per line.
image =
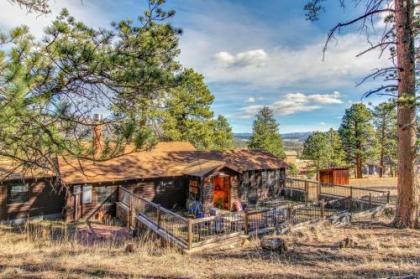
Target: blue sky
pixel 252 53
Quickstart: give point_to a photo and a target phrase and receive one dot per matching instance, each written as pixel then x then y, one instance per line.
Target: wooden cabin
pixel 336 176
pixel 171 174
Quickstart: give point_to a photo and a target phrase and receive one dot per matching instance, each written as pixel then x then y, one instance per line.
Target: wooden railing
pixel 189 233
pixel 171 225
pixel 313 191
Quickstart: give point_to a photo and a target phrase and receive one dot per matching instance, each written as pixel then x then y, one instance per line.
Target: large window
pixel 87 194
pixel 18 193
pixel 102 193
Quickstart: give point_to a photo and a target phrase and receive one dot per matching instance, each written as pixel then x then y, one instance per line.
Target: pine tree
pixel 187 115
pixel 50 88
pixel 325 149
pixel 358 136
pixel 265 134
pixel 222 134
pixel 399 37
pixel 385 122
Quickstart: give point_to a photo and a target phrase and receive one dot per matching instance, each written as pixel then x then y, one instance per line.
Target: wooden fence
pixel 188 233
pixel 314 191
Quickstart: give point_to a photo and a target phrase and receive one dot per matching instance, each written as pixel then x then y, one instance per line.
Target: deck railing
pixel 163 219
pixel 189 233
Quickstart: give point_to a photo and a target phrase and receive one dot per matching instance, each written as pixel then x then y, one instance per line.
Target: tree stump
pixel 272 243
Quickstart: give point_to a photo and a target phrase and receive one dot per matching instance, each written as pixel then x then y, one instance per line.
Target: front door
pixel 221 193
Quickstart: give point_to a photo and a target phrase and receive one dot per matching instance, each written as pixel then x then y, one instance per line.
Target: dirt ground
pixel 379 252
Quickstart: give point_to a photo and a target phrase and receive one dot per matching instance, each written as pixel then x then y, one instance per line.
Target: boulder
pixel 274 243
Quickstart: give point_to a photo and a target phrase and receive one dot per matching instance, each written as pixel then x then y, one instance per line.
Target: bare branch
pixel 343 24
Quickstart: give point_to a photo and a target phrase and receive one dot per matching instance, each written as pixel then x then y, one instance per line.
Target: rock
pixel 129 248
pixel 273 243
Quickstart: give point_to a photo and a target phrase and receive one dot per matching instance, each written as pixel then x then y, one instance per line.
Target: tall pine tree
pixel 187 115
pixel 358 136
pixel 385 122
pixel 265 134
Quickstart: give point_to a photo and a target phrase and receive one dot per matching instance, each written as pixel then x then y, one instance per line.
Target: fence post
pixel 190 233
pixel 289 213
pixel 306 192
pixel 158 216
pixel 388 196
pixel 370 200
pixel 351 198
pixel 130 211
pixel 318 191
pixel 246 223
pixel 322 204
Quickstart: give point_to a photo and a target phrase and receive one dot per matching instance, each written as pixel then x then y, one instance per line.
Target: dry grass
pixel 380 252
pixel 377 183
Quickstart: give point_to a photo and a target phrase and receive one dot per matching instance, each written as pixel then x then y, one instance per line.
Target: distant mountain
pixel 300 137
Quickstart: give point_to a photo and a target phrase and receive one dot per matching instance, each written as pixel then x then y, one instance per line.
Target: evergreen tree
pixel 222 134
pixel 385 122
pixel 50 88
pixel 325 149
pixel 265 134
pixel 358 136
pixel 187 115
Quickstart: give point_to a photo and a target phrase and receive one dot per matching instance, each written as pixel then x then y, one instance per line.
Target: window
pixel 264 178
pixel 18 193
pixel 102 193
pixel 166 183
pixel 87 194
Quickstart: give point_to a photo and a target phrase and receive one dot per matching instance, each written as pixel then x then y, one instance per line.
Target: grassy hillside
pixel 380 252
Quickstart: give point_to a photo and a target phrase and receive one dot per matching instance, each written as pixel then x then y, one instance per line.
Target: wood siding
pixel 168 192
pixel 334 176
pixel 43 199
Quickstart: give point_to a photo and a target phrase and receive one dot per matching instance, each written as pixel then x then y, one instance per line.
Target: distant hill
pixel 291 141
pixel 300 137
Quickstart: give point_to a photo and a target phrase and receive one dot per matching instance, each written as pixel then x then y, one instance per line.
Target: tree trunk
pixel 407 204
pixel 359 173
pixel 381 161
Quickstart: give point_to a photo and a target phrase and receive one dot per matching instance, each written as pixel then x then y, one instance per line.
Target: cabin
pixel 171 174
pixel 334 176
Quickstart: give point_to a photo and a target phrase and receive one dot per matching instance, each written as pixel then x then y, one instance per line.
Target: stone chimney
pixel 97 144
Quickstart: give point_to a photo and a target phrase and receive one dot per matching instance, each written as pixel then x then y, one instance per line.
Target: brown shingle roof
pixel 12 170
pixel 163 160
pixel 166 159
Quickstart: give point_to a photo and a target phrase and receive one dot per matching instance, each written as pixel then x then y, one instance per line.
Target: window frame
pixel 24 194
pixel 84 191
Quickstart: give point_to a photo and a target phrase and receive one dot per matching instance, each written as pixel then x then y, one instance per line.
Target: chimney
pixel 97 144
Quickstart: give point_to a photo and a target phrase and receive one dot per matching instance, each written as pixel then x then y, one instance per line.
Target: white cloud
pixel 12 15
pixel 255 57
pixel 322 123
pixel 225 57
pixel 293 103
pixel 250 100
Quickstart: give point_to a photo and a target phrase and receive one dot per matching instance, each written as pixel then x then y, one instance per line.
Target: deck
pixel 191 234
